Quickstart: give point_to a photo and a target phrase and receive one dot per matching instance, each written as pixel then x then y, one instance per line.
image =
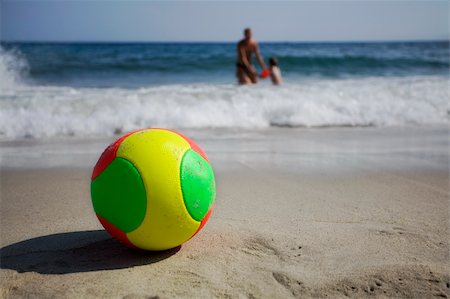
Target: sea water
pixel 86 89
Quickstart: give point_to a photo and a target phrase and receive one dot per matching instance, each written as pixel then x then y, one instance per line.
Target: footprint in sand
pixel 296 287
pixel 260 247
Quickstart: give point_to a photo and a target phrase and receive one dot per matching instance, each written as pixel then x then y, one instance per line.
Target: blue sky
pixel 61 20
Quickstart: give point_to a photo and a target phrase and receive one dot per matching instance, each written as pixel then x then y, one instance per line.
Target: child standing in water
pixel 275 73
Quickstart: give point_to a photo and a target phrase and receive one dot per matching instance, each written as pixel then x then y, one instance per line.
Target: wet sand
pixel 299 213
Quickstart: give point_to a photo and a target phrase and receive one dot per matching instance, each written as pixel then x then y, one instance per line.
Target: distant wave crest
pixel 13 67
pixel 327 66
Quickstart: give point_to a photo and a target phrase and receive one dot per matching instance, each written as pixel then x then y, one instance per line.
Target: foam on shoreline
pixel 48 111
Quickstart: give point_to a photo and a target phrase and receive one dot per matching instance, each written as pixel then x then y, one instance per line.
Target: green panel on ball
pixel 118 195
pixel 197 184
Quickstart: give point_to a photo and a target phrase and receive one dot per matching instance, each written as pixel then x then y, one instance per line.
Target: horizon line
pixel 219 42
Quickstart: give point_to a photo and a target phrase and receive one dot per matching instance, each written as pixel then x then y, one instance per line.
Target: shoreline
pixel 237 143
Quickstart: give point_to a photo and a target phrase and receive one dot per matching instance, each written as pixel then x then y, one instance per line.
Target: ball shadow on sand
pixel 74 252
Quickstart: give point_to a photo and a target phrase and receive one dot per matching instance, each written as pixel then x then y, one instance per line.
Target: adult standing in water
pixel 245 71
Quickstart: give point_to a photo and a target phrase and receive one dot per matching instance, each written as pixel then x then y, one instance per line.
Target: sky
pixel 216 21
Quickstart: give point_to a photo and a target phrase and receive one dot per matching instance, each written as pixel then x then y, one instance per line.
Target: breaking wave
pixel 45 111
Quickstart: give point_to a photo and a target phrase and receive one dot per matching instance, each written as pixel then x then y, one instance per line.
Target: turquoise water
pixel 132 65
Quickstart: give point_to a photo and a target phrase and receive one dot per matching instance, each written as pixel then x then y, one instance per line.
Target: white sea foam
pixel 12 69
pixel 45 111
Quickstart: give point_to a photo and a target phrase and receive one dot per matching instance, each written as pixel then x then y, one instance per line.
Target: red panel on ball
pixel 193 145
pixel 204 220
pixel 115 232
pixel 109 155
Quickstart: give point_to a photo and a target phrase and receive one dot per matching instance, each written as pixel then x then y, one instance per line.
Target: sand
pixel 357 212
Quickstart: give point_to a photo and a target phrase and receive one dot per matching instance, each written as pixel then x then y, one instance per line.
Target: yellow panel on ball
pixel 157 154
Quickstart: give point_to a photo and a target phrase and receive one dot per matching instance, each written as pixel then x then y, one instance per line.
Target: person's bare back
pixel 245 71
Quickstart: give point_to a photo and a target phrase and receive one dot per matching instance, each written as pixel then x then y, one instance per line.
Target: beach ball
pixel 153 189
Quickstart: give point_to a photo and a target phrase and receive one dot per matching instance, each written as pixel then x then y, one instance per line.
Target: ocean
pixel 102 89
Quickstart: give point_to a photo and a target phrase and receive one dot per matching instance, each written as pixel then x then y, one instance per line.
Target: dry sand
pixel 299 213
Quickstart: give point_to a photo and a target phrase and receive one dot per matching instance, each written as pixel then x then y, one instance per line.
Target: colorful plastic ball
pixel 153 189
